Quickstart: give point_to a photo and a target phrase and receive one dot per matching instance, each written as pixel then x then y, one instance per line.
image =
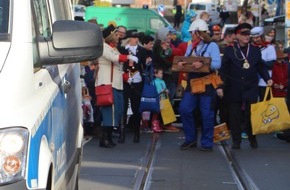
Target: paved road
pixel 167 167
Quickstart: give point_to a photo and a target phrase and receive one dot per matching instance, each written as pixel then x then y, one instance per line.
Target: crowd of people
pixel 244 61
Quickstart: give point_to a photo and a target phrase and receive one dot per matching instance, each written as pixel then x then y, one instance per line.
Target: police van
pixel 41 119
pixel 206 6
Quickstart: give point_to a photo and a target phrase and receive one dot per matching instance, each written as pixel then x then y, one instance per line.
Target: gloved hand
pixel 130 80
pixel 133 58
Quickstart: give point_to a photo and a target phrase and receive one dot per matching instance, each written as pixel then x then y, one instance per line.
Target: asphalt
pixel 121 168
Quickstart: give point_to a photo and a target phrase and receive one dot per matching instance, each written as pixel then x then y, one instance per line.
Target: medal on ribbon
pixel 246 64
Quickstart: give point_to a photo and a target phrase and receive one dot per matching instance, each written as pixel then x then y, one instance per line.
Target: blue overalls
pixel 203 101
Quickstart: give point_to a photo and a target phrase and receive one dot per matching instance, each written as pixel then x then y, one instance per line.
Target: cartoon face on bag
pixel 270 114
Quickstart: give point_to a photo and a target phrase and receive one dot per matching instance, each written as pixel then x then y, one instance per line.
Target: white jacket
pixel 104 74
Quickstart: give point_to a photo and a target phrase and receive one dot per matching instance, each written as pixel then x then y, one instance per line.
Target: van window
pixel 197 7
pixel 79 9
pixel 36 63
pixel 40 27
pixel 4 20
pixel 61 11
pixel 43 25
pixel 155 23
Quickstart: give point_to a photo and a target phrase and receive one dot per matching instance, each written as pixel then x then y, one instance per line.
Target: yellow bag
pixel 167 113
pixel 269 115
pixel 221 133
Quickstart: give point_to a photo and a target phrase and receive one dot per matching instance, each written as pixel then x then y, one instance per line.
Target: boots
pixel 104 142
pixel 156 126
pixel 110 131
pixel 253 141
pixel 121 138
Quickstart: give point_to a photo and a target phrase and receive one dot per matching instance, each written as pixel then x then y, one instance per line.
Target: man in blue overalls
pixel 200 45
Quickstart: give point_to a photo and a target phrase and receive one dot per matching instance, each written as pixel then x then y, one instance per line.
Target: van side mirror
pixel 71 41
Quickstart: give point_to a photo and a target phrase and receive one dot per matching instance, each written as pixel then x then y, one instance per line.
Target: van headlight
pixel 13 153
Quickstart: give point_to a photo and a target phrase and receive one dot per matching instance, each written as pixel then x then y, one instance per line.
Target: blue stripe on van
pixel 59 125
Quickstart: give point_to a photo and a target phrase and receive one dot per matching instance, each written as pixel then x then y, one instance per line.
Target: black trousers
pixel 133 92
pixel 239 117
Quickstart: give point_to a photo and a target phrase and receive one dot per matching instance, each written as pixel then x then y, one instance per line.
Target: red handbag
pixel 104 93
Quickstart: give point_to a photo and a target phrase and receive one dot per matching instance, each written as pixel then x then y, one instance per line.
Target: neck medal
pixel 246 64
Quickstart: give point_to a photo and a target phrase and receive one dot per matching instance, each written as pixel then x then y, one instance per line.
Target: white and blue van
pixel 41 129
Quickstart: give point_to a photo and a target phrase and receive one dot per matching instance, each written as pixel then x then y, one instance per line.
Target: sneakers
pixel 170 128
pixel 145 130
pixel 187 145
pixel 244 135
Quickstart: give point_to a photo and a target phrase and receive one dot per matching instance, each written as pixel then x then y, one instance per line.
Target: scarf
pixel 191 46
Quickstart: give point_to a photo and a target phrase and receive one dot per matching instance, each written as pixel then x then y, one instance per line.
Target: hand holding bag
pixel 269 116
pixel 104 93
pixel 167 113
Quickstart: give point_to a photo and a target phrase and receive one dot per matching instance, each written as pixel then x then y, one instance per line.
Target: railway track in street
pixel 242 180
pixel 157 163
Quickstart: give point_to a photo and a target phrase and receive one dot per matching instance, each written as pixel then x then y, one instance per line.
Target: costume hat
pixel 257 31
pixel 132 34
pixel 242 26
pixel 108 31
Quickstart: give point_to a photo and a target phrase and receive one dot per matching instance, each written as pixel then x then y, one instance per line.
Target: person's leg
pixel 207 115
pixel 171 86
pixel 186 107
pixel 248 126
pixel 235 113
pixel 135 104
pixel 104 141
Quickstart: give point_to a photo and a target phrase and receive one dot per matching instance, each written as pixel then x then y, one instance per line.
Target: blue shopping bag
pixel 149 97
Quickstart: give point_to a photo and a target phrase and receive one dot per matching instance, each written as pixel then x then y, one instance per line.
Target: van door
pixel 40 128
pixel 60 131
